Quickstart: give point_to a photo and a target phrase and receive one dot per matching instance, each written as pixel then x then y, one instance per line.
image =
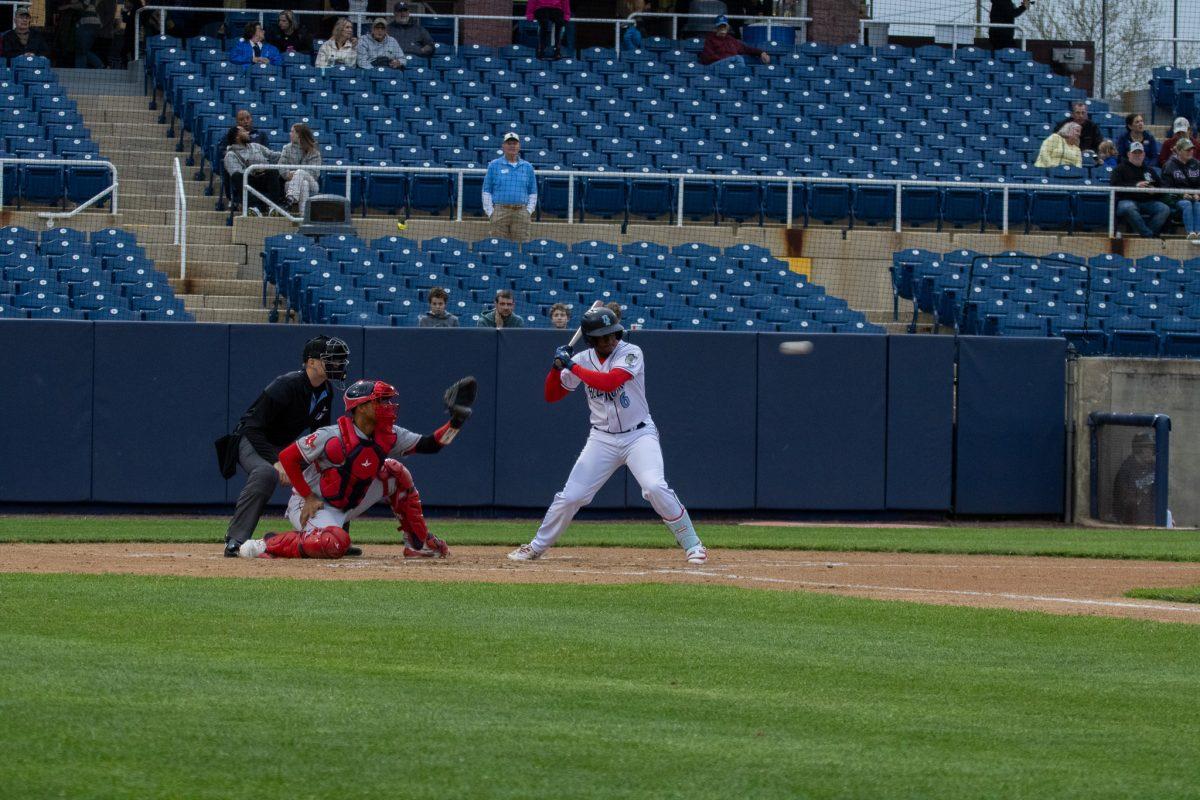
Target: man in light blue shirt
pixel 510 192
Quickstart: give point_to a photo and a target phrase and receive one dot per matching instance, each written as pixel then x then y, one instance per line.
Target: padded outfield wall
pixel 126 413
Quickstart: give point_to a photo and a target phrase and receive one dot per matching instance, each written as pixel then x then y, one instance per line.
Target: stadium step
pixel 227 301
pixel 229 314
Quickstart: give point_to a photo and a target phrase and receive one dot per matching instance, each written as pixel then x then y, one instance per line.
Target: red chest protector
pixel 356 462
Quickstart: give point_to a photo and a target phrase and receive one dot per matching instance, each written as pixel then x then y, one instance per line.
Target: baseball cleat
pixel 697 555
pixel 422 553
pixel 231 548
pixel 353 550
pixel 252 548
pixel 524 553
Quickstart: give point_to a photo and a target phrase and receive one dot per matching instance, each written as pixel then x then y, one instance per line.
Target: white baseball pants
pixel 603 454
pixel 327 515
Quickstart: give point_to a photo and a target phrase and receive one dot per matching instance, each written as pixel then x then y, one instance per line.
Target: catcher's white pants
pixel 603 454
pixel 327 515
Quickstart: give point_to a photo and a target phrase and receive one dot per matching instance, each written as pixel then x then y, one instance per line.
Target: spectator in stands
pixel 1135 131
pixel 301 151
pixel 1180 129
pixel 1004 12
pixel 560 315
pixel 1182 171
pixel 252 49
pixel 88 20
pixel 241 153
pixel 22 40
pixel 510 192
pixel 379 49
pixel 413 39
pixel 722 47
pixel 437 316
pixel 1089 132
pixel 501 316
pixel 1061 148
pixel 1144 213
pixel 288 35
pixel 245 120
pixel 1107 153
pixel 552 17
pixel 631 39
pixel 341 48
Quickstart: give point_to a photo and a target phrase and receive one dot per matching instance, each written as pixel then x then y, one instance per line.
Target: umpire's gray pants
pixel 261 480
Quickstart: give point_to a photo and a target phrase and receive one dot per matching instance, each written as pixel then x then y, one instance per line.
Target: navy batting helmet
pixel 600 322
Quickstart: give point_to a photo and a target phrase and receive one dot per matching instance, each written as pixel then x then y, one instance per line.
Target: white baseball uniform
pixel 622 433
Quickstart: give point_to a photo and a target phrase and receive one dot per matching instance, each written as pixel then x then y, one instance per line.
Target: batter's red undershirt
pixel 601 381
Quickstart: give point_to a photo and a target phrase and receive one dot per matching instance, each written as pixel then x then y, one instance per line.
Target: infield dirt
pixel 1092 587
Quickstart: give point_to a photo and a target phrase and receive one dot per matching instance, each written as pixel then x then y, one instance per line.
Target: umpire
pixel 292 404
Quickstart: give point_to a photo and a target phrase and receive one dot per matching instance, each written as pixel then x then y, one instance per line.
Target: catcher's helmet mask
pixel 365 391
pixel 599 322
pixel 333 353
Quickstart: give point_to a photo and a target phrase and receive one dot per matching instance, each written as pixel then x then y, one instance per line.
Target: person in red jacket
pixel 722 47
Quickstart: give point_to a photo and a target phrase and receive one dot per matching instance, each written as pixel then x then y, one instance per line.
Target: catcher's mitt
pixel 459 398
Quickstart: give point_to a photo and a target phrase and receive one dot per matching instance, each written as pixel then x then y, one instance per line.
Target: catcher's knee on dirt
pixel 330 542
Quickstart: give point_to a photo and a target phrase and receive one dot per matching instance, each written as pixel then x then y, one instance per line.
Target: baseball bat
pixel 579 331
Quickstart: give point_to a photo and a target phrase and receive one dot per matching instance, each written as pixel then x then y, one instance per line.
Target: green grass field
pixel 120 686
pixel 1181 594
pixel 1165 545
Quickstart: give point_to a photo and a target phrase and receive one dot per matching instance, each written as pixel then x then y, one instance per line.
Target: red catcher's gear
pixel 405 502
pixel 356 463
pixel 293 464
pixel 366 391
pixel 328 542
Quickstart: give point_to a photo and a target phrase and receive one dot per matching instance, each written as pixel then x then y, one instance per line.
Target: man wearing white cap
pixel 510 192
pixel 1180 129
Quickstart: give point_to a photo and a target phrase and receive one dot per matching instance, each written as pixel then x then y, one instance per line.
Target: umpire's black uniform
pixel 286 409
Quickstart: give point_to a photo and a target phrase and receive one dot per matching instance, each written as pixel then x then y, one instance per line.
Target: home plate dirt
pixel 1054 585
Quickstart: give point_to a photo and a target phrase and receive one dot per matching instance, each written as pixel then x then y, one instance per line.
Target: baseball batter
pixel 613 375
pixel 339 471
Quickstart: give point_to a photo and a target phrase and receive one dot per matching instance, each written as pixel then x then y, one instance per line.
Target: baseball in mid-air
pixel 801 348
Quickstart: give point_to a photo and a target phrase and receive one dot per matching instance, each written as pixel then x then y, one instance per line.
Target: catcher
pixel 339 471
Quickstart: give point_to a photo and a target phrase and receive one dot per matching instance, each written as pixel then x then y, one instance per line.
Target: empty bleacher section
pixel 1174 90
pixel 692 286
pixel 64 273
pixel 1103 304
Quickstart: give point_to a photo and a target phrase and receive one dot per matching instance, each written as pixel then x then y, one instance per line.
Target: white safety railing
pixel 359 19
pixel 791 181
pixel 955 27
pixel 180 220
pixel 52 216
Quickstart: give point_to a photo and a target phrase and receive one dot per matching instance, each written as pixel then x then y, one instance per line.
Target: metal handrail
pixel 359 18
pixel 51 216
pixel 180 220
pixel 778 22
pixel 863 23
pixel 899 184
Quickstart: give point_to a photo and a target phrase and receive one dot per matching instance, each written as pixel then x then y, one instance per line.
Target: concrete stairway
pixel 221 285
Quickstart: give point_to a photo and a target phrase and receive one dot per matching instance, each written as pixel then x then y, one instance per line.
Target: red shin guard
pixel 328 542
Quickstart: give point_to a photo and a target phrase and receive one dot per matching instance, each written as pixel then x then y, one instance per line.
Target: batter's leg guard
pixel 330 542
pixel 683 530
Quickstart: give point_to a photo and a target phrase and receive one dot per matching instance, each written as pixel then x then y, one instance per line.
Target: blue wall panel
pixel 46 394
pixel 920 422
pixel 821 423
pixel 260 353
pixel 1011 436
pixel 537 442
pixel 421 363
pixel 701 389
pixel 161 398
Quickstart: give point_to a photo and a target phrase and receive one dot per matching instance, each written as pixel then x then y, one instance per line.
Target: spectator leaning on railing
pixel 1183 172
pixel 413 39
pixel 721 46
pixel 379 49
pixel 1144 213
pixel 1180 129
pixel 1061 148
pixel 251 49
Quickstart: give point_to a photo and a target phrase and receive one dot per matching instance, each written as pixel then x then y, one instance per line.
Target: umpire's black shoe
pixel 231 548
pixel 353 550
